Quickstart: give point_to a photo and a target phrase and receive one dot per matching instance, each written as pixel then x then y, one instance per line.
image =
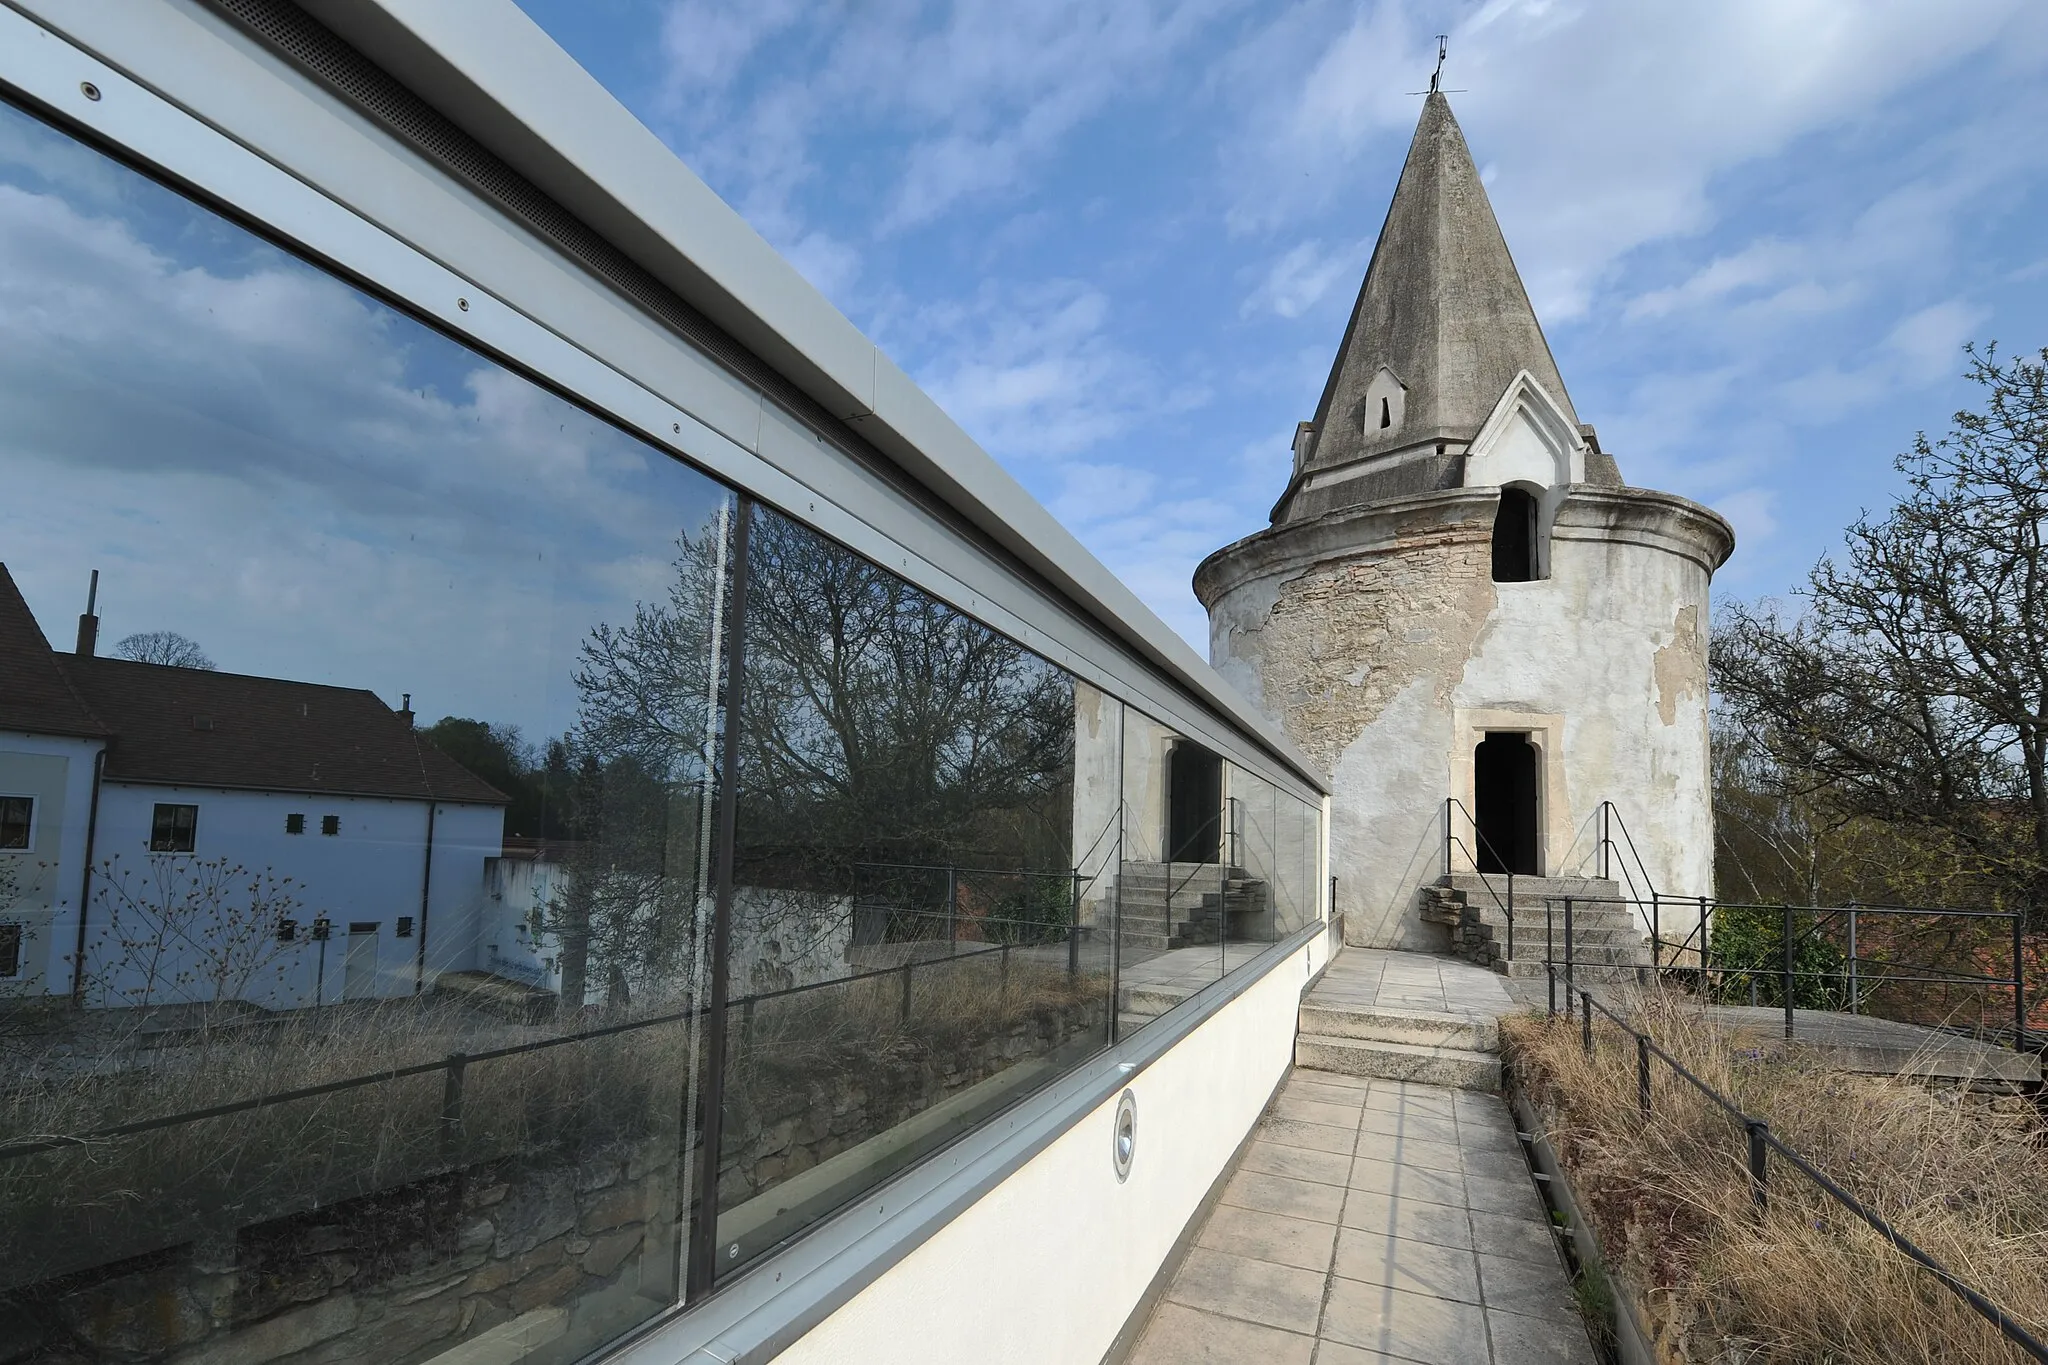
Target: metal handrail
pixel 1451 838
pixel 460 1060
pixel 1762 1140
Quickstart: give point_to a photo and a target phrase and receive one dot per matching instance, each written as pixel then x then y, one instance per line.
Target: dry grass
pixel 107 1199
pixel 1963 1175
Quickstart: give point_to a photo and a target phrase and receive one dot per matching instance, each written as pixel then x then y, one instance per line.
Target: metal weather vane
pixel 1436 77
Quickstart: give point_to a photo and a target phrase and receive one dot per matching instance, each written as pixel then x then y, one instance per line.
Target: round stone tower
pixel 1460 608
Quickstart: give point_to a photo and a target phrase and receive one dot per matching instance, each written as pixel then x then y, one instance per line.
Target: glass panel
pixel 1172 877
pixel 1253 916
pixel 423 1077
pixel 906 959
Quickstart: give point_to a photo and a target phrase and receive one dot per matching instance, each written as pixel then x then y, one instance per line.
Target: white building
pixel 225 836
pixel 1460 609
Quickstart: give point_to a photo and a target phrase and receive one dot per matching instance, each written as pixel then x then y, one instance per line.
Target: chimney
pixel 405 708
pixel 89 624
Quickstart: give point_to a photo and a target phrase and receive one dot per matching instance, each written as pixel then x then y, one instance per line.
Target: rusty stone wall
pixel 1344 637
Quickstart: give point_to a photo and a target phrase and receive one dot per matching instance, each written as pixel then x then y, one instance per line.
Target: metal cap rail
pixel 1762 1141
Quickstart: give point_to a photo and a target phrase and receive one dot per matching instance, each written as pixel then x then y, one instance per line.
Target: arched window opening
pixel 1514 538
pixel 1386 414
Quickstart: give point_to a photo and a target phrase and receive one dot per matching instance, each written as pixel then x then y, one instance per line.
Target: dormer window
pixel 1386 398
pixel 1516 545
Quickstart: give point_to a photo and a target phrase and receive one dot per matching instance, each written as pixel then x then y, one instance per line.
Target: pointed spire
pixel 1441 328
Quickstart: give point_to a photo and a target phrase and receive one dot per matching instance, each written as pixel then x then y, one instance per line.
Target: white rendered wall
pixel 370 872
pixel 45 877
pixel 1049 1265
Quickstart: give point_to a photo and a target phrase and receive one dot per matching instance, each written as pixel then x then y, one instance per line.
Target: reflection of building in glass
pixel 827 844
pixel 159 797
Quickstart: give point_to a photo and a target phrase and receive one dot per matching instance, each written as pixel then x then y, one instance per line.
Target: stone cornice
pixel 1627 516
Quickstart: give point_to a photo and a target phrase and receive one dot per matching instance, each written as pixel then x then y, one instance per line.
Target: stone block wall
pixel 397 1276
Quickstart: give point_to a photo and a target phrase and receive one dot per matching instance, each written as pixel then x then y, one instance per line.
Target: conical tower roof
pixel 1441 328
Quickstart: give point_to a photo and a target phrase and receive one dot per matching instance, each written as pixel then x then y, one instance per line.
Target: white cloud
pixel 307 482
pixel 1298 280
pixel 1752 512
pixel 1032 373
pixel 1608 119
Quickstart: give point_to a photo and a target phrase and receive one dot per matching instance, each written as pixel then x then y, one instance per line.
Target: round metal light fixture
pixel 1125 1134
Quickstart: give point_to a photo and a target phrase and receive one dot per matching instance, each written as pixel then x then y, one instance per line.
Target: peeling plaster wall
pixel 1374 637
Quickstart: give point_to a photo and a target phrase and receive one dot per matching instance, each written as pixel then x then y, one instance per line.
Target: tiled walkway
pixel 1376 978
pixel 1374 1221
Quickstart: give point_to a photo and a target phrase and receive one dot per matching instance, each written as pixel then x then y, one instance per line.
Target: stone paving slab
pixel 1373 1223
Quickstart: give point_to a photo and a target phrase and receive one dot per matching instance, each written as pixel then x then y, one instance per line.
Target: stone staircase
pixel 1403 1016
pixel 1607 945
pixel 1182 905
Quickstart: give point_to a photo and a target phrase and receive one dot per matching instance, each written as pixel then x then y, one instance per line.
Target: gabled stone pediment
pixel 1528 438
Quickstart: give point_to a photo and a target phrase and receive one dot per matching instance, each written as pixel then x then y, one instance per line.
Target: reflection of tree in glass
pixel 165 647
pixel 883 726
pixel 187 931
pixel 635 772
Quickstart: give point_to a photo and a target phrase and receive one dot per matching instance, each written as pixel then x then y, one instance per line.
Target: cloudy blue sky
pixel 1119 240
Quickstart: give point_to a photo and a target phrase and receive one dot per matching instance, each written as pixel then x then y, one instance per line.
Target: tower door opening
pixel 1504 801
pixel 1194 804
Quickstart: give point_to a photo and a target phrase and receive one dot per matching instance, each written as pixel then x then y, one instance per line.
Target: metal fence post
pixel 1447 837
pixel 1511 916
pixel 1701 928
pixel 2019 984
pixel 1003 974
pixel 1759 1157
pixel 904 1013
pixel 1074 930
pixel 1643 1073
pixel 1550 949
pixel 953 908
pixel 1855 986
pixel 451 1103
pixel 1570 977
pixel 1656 933
pixel 1788 971
pixel 1586 1021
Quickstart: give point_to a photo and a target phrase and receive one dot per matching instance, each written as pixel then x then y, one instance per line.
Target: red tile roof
pixel 34 693
pixel 200 728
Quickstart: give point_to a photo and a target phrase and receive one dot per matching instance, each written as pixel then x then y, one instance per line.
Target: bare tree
pixel 186 931
pixel 1913 690
pixel 162 647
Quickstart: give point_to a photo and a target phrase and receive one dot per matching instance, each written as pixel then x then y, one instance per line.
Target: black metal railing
pixel 1761 1142
pixel 1852 980
pixel 1453 842
pixel 454 1065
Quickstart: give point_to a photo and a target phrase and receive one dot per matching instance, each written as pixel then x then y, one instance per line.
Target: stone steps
pixel 1380 1024
pixel 1607 941
pixel 1376 1041
pixel 1459 1068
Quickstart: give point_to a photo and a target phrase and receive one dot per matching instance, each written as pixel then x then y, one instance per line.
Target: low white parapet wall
pixel 1020 1245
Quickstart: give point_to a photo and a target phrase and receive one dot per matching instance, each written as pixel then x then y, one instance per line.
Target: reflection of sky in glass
pixel 303 480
